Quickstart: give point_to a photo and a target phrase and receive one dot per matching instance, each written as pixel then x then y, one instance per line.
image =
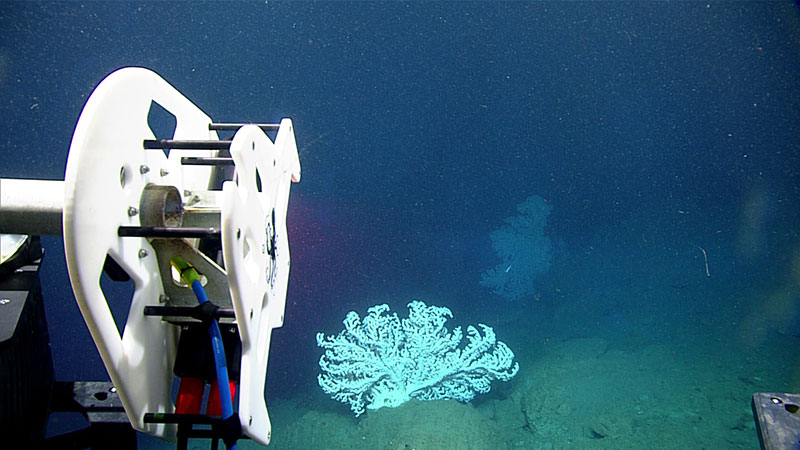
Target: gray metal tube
pixel 31 206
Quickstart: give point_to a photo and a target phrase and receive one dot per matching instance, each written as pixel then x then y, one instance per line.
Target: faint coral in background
pixel 524 249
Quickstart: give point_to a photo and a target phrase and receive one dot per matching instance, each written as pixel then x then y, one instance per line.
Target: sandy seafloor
pixel 686 387
pixel 662 369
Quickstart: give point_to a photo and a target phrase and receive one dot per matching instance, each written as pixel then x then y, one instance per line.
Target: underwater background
pixel 660 134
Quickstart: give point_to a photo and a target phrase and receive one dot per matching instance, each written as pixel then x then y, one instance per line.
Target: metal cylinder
pixel 174 144
pixel 31 206
pixel 236 126
pixel 161 206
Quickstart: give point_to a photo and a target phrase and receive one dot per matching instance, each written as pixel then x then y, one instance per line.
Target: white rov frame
pixel 107 172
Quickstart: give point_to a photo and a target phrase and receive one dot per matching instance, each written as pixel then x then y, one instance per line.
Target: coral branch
pixel 524 250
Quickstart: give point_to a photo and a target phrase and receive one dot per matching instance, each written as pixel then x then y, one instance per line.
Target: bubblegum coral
pixel 384 361
pixel 524 249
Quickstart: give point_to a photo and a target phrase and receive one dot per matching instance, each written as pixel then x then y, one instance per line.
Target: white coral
pixel 384 361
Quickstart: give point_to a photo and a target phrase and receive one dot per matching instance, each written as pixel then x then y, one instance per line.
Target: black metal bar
pixel 184 311
pixel 198 161
pixel 191 419
pixel 236 126
pixel 173 144
pixel 168 233
pixel 186 423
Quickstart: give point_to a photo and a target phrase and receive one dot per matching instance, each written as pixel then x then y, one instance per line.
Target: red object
pixel 190 396
pixel 214 407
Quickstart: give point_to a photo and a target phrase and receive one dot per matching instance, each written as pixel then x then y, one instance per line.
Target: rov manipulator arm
pixel 136 202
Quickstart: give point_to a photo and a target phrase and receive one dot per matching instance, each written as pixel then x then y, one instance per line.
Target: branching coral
pixel 385 361
pixel 524 249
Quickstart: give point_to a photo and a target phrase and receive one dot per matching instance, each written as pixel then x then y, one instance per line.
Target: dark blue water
pixel 652 129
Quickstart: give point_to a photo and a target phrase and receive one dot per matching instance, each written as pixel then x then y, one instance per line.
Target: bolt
pixel 142 253
pixel 164 172
pixel 143 169
pixel 163 298
pixel 132 211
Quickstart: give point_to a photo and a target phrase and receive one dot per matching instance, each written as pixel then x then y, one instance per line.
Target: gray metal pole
pixel 31 206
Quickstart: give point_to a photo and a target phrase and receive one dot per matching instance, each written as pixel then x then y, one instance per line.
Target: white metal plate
pixel 256 252
pixel 103 181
